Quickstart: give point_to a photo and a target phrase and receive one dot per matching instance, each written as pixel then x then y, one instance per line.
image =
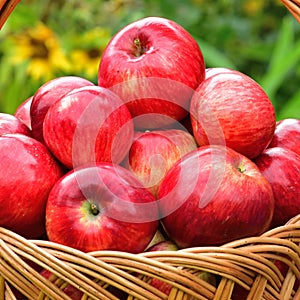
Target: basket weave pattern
pixel 251 263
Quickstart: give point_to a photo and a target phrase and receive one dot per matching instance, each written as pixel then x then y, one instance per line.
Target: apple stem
pixel 94 209
pixel 241 169
pixel 139 48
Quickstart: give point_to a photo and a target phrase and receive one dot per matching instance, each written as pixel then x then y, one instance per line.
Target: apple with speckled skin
pixel 287 135
pixel 28 172
pixel 281 167
pixel 101 207
pixel 212 196
pixel 230 108
pixel 23 112
pixel 11 124
pixel 209 72
pixel 153 153
pixel 154 65
pixel 89 124
pixel 46 95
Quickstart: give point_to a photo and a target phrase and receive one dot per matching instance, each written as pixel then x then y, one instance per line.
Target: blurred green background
pixel 45 39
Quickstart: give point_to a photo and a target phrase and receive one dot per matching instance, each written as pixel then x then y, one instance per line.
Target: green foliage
pixel 285 55
pixel 259 38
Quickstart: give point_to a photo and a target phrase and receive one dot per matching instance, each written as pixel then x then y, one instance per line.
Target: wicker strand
pixel 2 287
pixel 6 8
pixel 293 7
pixel 103 271
pixel 30 275
pixel 9 295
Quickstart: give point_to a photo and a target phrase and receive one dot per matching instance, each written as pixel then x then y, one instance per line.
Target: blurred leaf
pixel 291 109
pixel 285 55
pixel 213 57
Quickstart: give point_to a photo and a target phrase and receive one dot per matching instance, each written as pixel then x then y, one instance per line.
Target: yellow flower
pixel 39 47
pixel 86 56
pixel 252 7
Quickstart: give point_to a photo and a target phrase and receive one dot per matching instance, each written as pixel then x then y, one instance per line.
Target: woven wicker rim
pixel 247 262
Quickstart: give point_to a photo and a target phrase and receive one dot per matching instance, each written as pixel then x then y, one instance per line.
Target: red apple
pixel 48 94
pixel 209 72
pixel 165 245
pixel 153 153
pixel 287 135
pixel 90 124
pixel 23 112
pixel 27 174
pixel 230 108
pixel 11 124
pixel 281 167
pixel 154 65
pixel 212 196
pixel 101 207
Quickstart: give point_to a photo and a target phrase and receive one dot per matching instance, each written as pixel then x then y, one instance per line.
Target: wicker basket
pixel 262 267
pixel 265 267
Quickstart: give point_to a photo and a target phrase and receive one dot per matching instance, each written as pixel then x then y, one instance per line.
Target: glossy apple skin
pixel 209 72
pixel 23 112
pixel 153 153
pixel 48 94
pixel 154 65
pixel 90 124
pixel 27 174
pixel 123 221
pixel 281 167
pixel 232 109
pixel 11 124
pixel 287 135
pixel 212 196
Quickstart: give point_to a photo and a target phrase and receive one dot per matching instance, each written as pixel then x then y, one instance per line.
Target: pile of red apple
pixel 160 142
